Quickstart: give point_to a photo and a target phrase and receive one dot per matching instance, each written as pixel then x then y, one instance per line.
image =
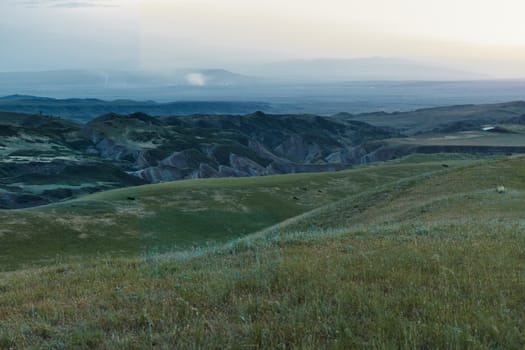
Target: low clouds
pixel 66 3
pixel 196 79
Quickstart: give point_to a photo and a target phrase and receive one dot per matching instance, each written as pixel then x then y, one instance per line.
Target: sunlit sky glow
pixel 483 35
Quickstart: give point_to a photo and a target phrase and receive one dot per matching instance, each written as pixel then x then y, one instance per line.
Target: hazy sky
pixel 481 35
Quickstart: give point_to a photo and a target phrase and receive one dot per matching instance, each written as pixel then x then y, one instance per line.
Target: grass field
pixel 406 254
pixel 182 214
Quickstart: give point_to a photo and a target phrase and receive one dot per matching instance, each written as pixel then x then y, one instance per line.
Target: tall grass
pixel 381 287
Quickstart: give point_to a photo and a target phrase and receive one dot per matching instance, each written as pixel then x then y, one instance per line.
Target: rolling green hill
pixel 422 252
pixel 181 214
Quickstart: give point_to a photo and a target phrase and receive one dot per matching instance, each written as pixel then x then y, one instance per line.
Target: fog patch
pixel 196 79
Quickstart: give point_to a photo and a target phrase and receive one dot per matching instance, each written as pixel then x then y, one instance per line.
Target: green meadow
pixel 183 214
pixel 421 252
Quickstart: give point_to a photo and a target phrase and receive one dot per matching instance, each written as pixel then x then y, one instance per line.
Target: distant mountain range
pixel 323 86
pixel 361 69
pixel 309 71
pixel 120 79
pixel 84 109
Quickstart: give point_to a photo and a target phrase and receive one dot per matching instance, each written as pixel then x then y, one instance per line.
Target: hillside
pixel 167 149
pixel 498 139
pixel 180 214
pixel 450 118
pixel 83 110
pixel 46 159
pixel 400 100
pixel 388 262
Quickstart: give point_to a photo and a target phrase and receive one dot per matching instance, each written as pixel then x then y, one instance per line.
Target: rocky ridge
pixel 45 159
pixel 168 149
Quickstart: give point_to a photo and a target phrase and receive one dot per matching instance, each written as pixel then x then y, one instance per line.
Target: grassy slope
pixel 425 120
pixel 467 138
pixel 432 262
pixel 181 214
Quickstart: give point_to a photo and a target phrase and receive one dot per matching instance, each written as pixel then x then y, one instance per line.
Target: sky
pixel 484 36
